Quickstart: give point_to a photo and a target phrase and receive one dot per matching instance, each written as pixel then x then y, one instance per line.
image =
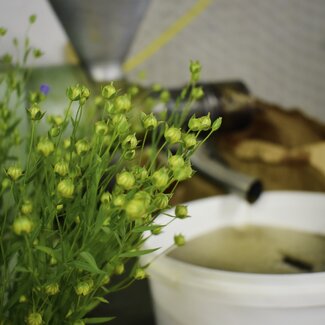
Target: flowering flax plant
pixel 74 209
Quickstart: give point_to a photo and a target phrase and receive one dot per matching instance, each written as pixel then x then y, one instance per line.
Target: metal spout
pixel 101 32
pixel 245 186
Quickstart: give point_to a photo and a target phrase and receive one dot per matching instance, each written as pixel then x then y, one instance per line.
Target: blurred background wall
pixel 277 47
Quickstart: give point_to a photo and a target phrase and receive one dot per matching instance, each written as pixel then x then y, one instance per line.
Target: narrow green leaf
pixel 98 320
pixel 146 228
pixel 47 250
pixel 88 264
pixel 102 299
pixel 138 253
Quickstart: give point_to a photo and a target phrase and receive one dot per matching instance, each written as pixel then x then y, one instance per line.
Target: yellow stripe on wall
pixel 166 36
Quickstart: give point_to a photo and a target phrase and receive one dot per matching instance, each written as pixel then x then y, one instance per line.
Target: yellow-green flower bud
pixel 161 201
pixel 205 122
pixel 61 168
pixel 66 143
pixel 148 121
pixel 140 273
pixel 133 90
pixel 156 87
pixel 82 146
pixel 120 123
pixel 172 135
pixel 129 154
pixel 36 97
pixel 181 174
pixel 22 225
pixel 197 93
pixel 105 280
pixel 179 240
pixel 26 208
pixel 157 230
pixel 53 261
pixel 194 124
pixel 106 198
pixel 189 140
pixel 74 93
pixel 119 200
pixel 119 269
pixel 14 173
pixel 135 209
pixel 144 196
pixel 77 220
pixel 108 91
pixel 123 103
pixel 59 207
pixel 216 124
pixel 34 319
pixel 130 142
pixel 181 211
pixel 160 178
pixel 65 188
pixel 85 92
pixel 52 289
pixel 57 120
pixel 195 69
pixel 176 161
pixel 101 128
pixel 3 31
pixel 45 147
pixel 84 288
pixel 165 96
pixel 54 132
pixel 5 183
pixel 22 299
pixel 140 173
pixel 35 113
pixel 125 179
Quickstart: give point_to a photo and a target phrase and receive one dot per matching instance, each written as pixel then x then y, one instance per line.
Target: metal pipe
pixel 243 185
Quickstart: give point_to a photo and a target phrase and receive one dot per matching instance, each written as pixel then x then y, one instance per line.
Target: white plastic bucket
pixel 186 294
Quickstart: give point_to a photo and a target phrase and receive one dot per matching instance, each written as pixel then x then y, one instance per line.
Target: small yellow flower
pixel 189 140
pixel 61 168
pixel 140 274
pixel 106 198
pixel 22 225
pixel 179 240
pixel 66 188
pixel 161 201
pixel 123 103
pixel 82 146
pixel 34 319
pixel 181 211
pixel 172 135
pixel 125 179
pixel 101 128
pixel 83 288
pixel 148 121
pixel 176 161
pixel 52 289
pixel 45 147
pixel 135 209
pixel 160 178
pixel 22 299
pixel 35 113
pixel 108 91
pixel 130 142
pixel 14 172
pixel 119 269
pixel 27 207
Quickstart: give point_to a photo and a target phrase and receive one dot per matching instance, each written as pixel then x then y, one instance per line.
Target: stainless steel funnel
pixel 101 32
